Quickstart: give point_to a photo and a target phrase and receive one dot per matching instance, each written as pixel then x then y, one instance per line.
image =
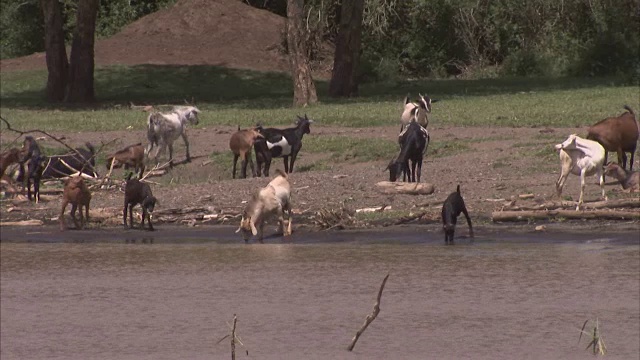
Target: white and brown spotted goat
pixel 165 128
pixel 418 111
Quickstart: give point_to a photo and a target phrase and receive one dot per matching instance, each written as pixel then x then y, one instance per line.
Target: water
pixel 168 300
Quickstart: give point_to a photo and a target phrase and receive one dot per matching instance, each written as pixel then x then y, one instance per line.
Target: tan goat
pixel 272 200
pixel 241 143
pixel 76 193
pixel 630 180
pixel 131 157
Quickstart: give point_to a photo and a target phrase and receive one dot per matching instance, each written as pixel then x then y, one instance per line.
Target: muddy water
pixel 489 300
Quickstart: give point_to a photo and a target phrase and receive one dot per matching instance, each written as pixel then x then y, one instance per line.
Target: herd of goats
pixel 580 156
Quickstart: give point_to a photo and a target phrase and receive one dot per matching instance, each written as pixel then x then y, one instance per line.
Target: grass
pixel 242 97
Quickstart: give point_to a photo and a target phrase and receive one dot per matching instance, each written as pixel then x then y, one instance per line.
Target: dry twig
pixel 370 317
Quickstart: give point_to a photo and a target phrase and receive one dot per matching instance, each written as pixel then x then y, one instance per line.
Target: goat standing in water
pixel 451 209
pixel 164 129
pixel 580 157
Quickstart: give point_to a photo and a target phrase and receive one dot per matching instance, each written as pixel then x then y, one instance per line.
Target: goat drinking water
pixel 580 157
pixel 272 200
pixel 164 129
pixel 451 209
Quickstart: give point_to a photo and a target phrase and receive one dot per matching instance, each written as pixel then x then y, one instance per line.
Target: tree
pixel 347 56
pixel 56 53
pixel 304 90
pixel 81 65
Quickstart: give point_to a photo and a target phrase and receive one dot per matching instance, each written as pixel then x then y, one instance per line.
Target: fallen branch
pixel 370 317
pixel 408 218
pixel 498 216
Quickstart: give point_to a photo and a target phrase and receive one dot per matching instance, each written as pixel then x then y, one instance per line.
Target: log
pixel 498 216
pixel 388 187
pixel 607 204
pixel 33 222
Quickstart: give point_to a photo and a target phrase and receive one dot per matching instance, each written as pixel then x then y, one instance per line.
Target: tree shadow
pixel 236 88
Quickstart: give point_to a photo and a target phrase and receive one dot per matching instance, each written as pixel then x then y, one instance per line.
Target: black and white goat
pixel 418 111
pixel 165 128
pixel 413 143
pixel 81 161
pixel 284 143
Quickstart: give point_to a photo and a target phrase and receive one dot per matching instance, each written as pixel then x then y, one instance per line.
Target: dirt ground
pixel 492 173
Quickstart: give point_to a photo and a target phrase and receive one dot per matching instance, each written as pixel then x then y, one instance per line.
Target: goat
pixel 32 156
pixel 131 157
pixel 630 180
pixel 451 209
pixel 419 111
pixel 619 134
pixel 581 157
pixel 272 200
pixel 413 145
pixel 283 143
pixel 164 129
pixel 76 193
pixel 241 143
pixel 8 158
pixel 78 161
pixel 137 192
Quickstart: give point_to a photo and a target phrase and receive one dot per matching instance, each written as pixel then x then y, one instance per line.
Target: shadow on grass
pixel 219 86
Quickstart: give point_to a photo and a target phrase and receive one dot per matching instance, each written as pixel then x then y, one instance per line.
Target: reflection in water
pixel 173 301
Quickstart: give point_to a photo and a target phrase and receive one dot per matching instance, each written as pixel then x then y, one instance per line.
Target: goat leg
pixel 74 208
pixel 63 225
pixel 186 145
pixel 233 169
pixel 124 214
pixel 149 220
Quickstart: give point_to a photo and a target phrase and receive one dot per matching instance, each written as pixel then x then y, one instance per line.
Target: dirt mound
pixel 225 33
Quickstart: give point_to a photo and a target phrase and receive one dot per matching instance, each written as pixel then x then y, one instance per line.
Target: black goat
pixel 137 192
pixel 451 209
pixel 82 160
pixel 413 143
pixel 32 156
pixel 284 143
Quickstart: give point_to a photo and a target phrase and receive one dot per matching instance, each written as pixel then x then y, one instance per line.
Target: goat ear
pixel 406 99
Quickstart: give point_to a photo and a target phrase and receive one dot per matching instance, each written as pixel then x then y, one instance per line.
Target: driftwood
pixel 32 222
pixel 608 204
pixel 370 317
pixel 389 187
pixel 497 216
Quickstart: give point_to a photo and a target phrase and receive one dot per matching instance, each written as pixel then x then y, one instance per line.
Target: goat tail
pixel 629 109
pixel 458 189
pixel 282 173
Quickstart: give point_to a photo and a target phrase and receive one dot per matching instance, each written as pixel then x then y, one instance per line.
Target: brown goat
pixel 630 180
pixel 131 157
pixel 9 157
pixel 619 134
pixel 241 143
pixel 76 193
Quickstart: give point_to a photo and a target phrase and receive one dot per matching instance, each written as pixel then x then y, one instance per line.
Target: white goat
pixel 165 128
pixel 580 157
pixel 272 200
pixel 417 111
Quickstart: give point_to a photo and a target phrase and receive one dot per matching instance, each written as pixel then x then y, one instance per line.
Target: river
pixel 175 298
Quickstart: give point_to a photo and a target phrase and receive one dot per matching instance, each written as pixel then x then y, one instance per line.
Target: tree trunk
pixel 56 53
pixel 304 90
pixel 80 85
pixel 347 56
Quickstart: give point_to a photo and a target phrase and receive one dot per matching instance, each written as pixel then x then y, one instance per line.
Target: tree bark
pixel 80 84
pixel 56 53
pixel 304 90
pixel 344 82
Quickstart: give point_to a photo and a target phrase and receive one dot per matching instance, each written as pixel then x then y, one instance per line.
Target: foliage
pixel 22 23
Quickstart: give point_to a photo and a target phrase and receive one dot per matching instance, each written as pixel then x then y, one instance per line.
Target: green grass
pixel 347 149
pixel 230 97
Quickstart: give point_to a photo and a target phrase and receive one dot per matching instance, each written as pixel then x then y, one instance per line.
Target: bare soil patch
pixel 500 165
